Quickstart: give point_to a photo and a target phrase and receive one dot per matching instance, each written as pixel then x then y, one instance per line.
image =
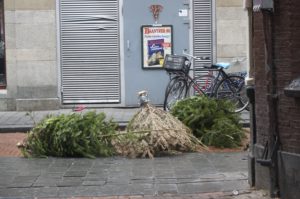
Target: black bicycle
pixel 220 85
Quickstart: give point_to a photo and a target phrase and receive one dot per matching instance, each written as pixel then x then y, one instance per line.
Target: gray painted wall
pixel 137 13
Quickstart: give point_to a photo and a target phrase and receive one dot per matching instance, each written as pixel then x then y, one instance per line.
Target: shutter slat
pixel 202 33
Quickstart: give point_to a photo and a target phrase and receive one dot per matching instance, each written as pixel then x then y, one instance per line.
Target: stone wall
pixel 32 74
pixel 232 31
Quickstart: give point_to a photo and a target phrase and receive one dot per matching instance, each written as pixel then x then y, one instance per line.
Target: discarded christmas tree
pixel 152 132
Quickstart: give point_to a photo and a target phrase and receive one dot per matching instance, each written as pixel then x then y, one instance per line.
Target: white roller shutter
pixel 90 51
pixel 203 37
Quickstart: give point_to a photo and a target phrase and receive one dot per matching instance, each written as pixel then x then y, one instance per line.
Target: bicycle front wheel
pixel 174 93
pixel 233 89
pixel 202 85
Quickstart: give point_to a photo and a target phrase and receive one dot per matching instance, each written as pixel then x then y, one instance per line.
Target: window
pixel 2 48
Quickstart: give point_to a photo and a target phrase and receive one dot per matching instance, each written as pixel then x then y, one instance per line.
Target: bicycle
pixel 221 86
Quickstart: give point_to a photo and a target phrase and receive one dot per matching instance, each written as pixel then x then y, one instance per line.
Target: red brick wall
pixel 260 80
pixel 286 46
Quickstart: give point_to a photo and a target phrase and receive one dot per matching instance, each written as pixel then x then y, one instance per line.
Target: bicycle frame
pixel 231 85
pixel 221 74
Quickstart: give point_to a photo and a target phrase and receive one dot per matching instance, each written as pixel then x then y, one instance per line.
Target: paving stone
pixel 75 174
pixel 115 189
pixel 118 181
pixel 191 188
pixel 46 174
pixel 70 182
pixel 166 180
pixel 25 179
pixel 58 169
pixel 16 192
pixel 92 191
pixel 93 178
pixel 142 189
pixel 68 191
pixel 47 182
pixel 20 185
pixel 94 183
pixel 166 188
pixel 121 176
pixel 149 180
pixel 97 173
pixel 141 173
pixel 46 192
pixel 235 185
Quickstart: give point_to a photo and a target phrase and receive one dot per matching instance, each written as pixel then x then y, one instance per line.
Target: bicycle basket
pixel 174 63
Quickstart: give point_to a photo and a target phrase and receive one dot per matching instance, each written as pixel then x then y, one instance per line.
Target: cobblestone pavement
pixel 190 175
pixel 187 176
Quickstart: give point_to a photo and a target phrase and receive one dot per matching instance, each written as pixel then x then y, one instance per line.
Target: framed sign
pixel 157 41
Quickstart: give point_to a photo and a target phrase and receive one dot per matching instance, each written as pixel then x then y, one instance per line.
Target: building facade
pixel 66 52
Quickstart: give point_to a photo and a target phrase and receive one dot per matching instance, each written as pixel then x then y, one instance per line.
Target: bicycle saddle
pixel 218 65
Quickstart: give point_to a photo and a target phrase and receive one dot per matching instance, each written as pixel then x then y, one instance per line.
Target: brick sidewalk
pixel 8 142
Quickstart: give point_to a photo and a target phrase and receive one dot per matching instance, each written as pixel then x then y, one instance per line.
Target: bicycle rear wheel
pixel 233 89
pixel 174 93
pixel 202 85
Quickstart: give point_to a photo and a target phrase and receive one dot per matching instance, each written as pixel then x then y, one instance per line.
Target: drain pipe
pixel 250 89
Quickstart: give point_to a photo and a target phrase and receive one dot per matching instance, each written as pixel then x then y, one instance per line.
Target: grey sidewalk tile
pixel 16 192
pixel 235 185
pixel 118 181
pixel 47 174
pixel 168 180
pixel 46 183
pixel 61 169
pixel 142 189
pixel 123 189
pixel 166 188
pixel 141 173
pixel 7 116
pixel 97 174
pixel 70 182
pixel 46 192
pixel 191 188
pixel 75 173
pixel 22 178
pixel 68 191
pixel 136 181
pixel 91 191
pixel 122 176
pixel 164 173
pixel 20 185
pixel 94 182
pixel 15 118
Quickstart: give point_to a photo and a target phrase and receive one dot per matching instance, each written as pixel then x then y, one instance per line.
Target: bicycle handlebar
pixel 195 57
